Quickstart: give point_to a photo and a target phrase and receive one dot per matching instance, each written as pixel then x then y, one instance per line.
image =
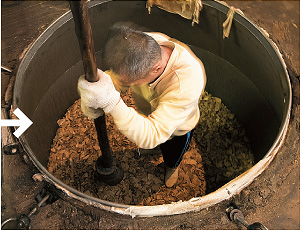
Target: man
pixel 166 80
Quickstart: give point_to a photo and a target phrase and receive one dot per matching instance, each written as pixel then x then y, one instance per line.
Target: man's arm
pixel 148 132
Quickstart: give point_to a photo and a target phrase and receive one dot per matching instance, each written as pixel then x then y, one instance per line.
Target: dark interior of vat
pixel 242 70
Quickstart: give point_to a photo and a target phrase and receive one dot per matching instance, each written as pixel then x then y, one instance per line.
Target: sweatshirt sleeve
pixel 148 132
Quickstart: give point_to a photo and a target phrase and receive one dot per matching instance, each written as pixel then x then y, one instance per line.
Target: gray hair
pixel 130 53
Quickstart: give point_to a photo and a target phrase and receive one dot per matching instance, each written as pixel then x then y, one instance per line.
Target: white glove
pixel 91 112
pixel 97 96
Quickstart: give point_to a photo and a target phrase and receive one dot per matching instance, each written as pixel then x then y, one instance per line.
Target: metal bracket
pixel 10 145
pixel 11 149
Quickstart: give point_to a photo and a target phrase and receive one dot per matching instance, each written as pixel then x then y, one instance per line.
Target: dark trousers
pixel 174 149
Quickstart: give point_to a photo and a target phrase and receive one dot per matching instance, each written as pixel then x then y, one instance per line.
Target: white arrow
pixel 24 122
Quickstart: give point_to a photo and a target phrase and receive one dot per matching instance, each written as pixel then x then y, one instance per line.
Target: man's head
pixel 131 54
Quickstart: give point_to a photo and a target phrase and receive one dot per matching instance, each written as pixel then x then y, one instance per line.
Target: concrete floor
pixel 272 199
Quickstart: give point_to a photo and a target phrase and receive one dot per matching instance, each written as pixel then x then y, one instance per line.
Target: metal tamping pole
pixel 106 167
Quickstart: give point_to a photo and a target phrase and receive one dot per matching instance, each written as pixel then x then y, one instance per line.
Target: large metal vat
pixel 246 71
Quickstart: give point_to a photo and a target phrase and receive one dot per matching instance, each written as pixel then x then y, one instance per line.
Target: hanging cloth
pixel 228 22
pixel 189 9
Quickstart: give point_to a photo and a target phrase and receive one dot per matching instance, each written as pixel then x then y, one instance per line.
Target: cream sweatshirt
pixel 169 106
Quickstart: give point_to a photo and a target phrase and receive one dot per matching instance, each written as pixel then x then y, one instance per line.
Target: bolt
pixel 38 177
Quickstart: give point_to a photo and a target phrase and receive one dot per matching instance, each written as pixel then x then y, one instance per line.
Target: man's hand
pixel 99 96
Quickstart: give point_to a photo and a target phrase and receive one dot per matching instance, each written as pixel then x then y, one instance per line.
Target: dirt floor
pixel 272 198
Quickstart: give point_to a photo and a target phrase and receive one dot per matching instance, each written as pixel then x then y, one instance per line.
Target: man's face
pixel 146 80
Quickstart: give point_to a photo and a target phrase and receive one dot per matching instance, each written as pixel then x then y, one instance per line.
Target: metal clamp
pixel 47 191
pixel 237 216
pixel 23 222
